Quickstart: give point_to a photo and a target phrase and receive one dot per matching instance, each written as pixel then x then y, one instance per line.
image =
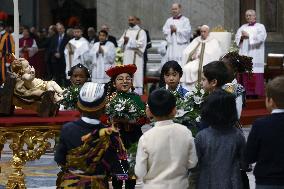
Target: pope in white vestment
pixel 133 43
pixel 201 51
pixel 177 33
pixel 75 51
pixel 103 56
pixel 250 38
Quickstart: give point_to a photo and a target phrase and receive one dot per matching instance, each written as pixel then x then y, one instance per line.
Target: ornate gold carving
pixel 16 179
pixel 27 144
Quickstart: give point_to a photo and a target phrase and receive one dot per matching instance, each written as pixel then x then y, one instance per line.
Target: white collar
pixel 79 40
pixel 136 27
pixel 179 15
pixel 178 86
pixel 99 42
pixel 209 38
pixel 275 111
pixel 90 120
pixel 165 122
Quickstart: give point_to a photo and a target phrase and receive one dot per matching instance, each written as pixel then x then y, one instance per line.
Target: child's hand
pixel 86 137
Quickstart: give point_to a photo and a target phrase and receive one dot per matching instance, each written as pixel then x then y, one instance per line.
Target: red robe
pixel 25 42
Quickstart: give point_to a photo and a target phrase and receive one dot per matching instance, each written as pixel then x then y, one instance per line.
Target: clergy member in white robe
pixel 250 38
pixel 76 50
pixel 177 33
pixel 103 56
pixel 92 37
pixel 201 51
pixel 133 43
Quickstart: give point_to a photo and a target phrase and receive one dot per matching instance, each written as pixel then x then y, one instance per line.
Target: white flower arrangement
pixel 189 107
pixel 121 107
pixel 70 99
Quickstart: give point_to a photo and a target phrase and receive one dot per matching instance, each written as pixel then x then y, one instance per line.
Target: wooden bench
pixel 274 66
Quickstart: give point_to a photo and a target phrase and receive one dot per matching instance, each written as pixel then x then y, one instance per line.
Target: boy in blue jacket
pixel 266 140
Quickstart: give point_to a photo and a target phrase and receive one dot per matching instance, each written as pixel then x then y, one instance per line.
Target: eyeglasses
pixel 120 79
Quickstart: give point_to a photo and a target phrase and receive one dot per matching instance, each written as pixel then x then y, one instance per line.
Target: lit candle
pixel 16 27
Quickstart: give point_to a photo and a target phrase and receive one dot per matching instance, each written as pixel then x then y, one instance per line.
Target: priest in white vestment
pixel 250 38
pixel 133 43
pixel 201 51
pixel 76 50
pixel 177 33
pixel 103 56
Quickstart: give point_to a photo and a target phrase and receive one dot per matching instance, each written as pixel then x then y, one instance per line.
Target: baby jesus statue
pixel 28 86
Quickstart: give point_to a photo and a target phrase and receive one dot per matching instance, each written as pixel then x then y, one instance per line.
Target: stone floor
pixel 41 174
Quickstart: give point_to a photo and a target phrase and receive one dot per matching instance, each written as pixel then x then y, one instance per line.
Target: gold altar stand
pixel 27 136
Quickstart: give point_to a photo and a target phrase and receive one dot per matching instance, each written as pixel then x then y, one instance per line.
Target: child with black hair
pixel 217 75
pixel 171 74
pixel 220 147
pixel 167 151
pixel 236 65
pixel 120 93
pixel 79 74
pixel 221 75
pixel 214 76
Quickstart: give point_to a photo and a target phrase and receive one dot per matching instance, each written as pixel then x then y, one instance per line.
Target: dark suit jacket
pixel 265 146
pixel 113 40
pixel 148 46
pixel 53 46
pixel 70 138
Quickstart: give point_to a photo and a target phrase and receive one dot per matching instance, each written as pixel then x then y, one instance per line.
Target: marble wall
pixel 267 17
pixel 154 13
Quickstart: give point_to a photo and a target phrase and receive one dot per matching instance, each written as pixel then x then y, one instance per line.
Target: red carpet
pixel 27 117
pixel 254 109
